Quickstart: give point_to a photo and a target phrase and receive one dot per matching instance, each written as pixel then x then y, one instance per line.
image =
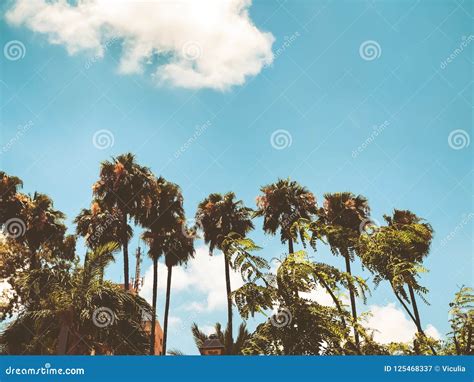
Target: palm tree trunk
pixel 125 251
pixel 167 308
pixel 290 245
pixel 417 317
pixel 153 317
pixel 229 339
pixel 62 339
pixel 352 296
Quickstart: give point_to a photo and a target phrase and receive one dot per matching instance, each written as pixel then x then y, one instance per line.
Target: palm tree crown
pixel 219 215
pixel 282 204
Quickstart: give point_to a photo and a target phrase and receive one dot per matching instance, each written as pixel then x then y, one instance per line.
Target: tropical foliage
pixel 60 302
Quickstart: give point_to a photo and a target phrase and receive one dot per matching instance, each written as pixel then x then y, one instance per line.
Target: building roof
pixel 212 342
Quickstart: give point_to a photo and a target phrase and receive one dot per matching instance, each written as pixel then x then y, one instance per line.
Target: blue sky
pixel 392 123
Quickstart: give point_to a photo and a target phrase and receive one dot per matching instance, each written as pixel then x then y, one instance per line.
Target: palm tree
pixel 10 200
pixel 80 313
pixel 282 204
pixel 125 186
pixel 340 222
pixel 180 249
pixel 45 231
pixel 243 336
pixel 219 215
pixel 164 218
pixel 99 226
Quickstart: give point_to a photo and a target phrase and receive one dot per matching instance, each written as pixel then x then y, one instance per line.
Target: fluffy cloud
pixel 390 324
pixel 322 297
pixel 203 274
pixel 193 44
pixel 387 323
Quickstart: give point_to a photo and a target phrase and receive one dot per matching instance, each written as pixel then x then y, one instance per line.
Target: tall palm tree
pixel 124 185
pixel 180 249
pixel 282 204
pixel 160 221
pixel 219 215
pixel 340 222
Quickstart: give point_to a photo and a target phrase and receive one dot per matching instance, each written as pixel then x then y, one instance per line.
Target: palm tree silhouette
pixel 340 222
pixel 282 204
pixel 180 249
pixel 99 225
pixel 45 229
pixel 163 219
pixel 218 216
pixel 124 187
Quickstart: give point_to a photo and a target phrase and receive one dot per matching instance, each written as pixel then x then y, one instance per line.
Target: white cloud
pixel 200 44
pixel 203 274
pixel 208 329
pixel 431 331
pixel 322 297
pixel 390 324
